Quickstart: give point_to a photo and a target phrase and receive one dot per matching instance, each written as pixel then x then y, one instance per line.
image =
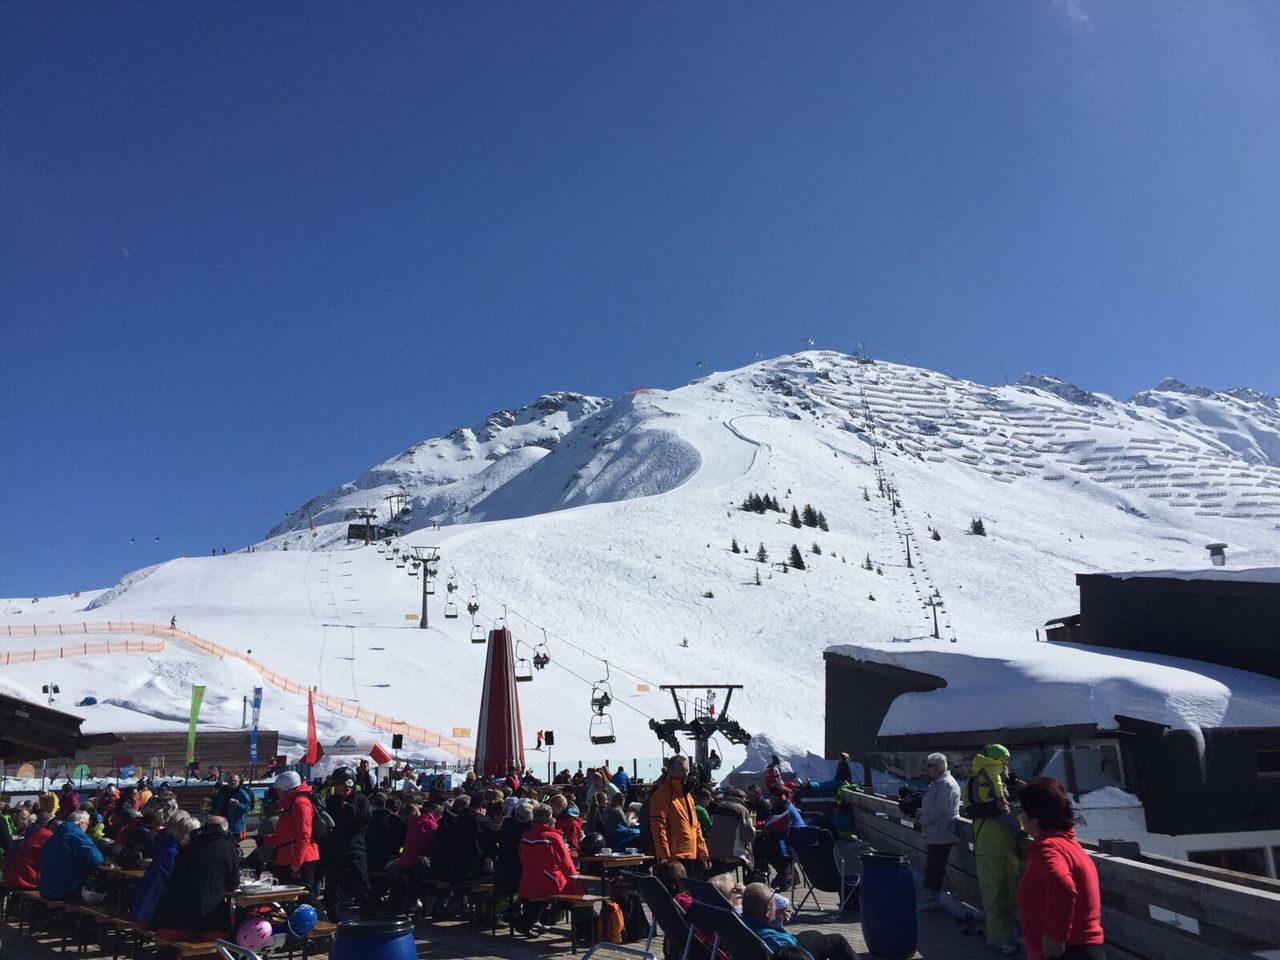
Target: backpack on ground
pixel 635 925
pixel 610 927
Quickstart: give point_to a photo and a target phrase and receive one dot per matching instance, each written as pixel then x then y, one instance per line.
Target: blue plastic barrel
pixel 890 921
pixel 383 938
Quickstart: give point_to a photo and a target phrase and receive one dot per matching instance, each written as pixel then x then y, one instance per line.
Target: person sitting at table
pixel 759 912
pixel 96 829
pixel 22 866
pixel 407 873
pixel 507 870
pixel 618 832
pixel 164 855
pixel 193 906
pixel 137 840
pixel 546 870
pixel 68 858
pixel 771 848
pixel 567 820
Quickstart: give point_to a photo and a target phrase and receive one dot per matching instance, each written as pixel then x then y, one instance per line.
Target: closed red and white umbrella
pixel 499 739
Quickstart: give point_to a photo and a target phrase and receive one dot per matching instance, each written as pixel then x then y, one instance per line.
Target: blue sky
pixel 248 250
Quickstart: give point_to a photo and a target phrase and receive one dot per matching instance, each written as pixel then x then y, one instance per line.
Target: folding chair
pixel 814 851
pixel 703 891
pixel 665 914
pixel 737 939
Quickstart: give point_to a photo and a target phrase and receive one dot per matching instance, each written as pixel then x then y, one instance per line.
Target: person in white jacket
pixel 939 811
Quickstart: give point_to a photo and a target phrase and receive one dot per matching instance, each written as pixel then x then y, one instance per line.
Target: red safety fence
pixel 379 721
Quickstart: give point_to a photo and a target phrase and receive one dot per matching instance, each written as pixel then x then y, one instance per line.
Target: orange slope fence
pixel 346 708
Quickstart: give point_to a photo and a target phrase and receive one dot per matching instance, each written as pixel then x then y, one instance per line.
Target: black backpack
pixel 321 822
pixel 635 925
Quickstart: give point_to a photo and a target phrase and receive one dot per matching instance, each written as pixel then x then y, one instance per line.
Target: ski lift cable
pixel 515 613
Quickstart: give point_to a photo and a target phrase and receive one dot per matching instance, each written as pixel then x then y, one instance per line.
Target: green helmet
pixel 996 751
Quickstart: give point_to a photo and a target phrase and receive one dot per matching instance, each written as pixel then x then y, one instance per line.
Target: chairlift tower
pixel 429 557
pixel 706 721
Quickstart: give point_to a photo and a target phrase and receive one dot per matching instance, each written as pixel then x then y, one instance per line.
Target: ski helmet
pixel 253 934
pixel 303 920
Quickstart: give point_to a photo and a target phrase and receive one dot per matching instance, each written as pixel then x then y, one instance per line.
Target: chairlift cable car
pixel 524 669
pixel 473 605
pixel 451 611
pixel 541 655
pixel 602 692
pixel 477 631
pixel 601 730
pixel 413 568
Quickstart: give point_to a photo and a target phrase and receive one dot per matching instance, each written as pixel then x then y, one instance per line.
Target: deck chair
pixel 736 938
pixel 230 951
pixel 666 915
pixel 704 891
pixel 814 850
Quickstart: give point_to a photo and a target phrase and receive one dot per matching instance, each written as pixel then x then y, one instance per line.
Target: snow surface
pixel 1107 798
pixel 1256 575
pixel 607 524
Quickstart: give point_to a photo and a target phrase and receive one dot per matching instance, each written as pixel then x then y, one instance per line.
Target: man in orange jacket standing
pixel 677 835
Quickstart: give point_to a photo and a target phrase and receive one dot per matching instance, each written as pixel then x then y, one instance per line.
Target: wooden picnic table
pixel 113 872
pixel 604 862
pixel 282 894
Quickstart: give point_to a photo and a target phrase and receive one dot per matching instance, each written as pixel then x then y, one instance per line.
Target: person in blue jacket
pixel 177 830
pixel 68 858
pixel 233 801
pixel 621 780
pixel 760 912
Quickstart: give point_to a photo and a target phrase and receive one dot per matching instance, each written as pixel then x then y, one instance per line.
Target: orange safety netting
pixel 338 705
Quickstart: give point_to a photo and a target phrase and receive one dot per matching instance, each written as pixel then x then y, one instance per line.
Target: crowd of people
pixel 413 842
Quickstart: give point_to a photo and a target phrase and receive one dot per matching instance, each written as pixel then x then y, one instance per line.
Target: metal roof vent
pixel 1217 553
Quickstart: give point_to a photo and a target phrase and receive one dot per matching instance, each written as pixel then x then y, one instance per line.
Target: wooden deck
pixel 940 939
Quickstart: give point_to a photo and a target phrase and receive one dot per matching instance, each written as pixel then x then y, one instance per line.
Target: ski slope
pixel 610 532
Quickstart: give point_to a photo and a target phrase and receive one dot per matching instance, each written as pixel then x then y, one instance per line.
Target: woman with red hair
pixel 1058 898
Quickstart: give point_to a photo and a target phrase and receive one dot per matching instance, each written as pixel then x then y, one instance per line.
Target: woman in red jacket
pixel 546 870
pixel 297 854
pixel 1058 898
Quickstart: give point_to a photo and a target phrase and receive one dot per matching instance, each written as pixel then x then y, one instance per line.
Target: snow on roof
pixel 1008 684
pixel 1242 575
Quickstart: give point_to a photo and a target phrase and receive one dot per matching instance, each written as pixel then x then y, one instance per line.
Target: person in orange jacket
pixel 297 856
pixel 673 821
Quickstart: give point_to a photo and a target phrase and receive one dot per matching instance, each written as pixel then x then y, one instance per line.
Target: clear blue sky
pixel 248 250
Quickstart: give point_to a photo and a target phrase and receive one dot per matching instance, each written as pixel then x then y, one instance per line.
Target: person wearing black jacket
pixel 342 849
pixel 364 778
pixel 473 842
pixel 194 903
pixel 507 870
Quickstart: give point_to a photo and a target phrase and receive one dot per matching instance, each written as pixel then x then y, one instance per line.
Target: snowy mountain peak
pixel 1059 388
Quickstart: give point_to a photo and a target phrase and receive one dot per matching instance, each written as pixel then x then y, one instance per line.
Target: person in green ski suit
pixel 995 848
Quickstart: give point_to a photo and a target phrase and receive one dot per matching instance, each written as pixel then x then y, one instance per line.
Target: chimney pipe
pixel 1217 553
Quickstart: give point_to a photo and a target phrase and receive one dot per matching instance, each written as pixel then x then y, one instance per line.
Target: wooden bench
pixel 186 948
pixel 323 930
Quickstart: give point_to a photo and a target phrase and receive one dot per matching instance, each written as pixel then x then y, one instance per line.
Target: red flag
pixel 314 750
pixel 378 753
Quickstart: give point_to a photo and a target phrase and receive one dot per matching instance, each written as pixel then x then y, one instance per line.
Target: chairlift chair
pixel 399 563
pixel 602 692
pixel 431 587
pixel 477 632
pixel 451 611
pixel 524 670
pixel 413 569
pixel 601 730
pixel 541 655
pixel 473 605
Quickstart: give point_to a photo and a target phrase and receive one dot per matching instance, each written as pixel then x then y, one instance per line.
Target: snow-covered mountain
pixel 612 527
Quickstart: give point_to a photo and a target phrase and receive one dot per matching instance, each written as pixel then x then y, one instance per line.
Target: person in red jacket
pixel 546 870
pixel 23 869
pixel 1058 898
pixel 297 855
pixel 568 821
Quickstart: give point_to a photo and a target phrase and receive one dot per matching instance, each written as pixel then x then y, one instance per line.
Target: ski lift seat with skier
pixel 473 605
pixel 601 730
pixel 602 692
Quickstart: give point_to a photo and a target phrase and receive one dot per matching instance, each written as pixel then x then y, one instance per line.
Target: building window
pixel 1246 860
pixel 1269 763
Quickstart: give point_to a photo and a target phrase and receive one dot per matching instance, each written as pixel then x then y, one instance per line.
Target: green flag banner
pixel 197 697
